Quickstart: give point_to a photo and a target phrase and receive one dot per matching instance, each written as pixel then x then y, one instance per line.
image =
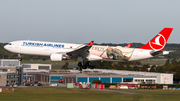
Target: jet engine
pixel 57 57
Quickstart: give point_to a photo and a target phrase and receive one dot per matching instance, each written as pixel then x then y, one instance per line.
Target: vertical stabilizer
pixel 129 45
pixel 159 41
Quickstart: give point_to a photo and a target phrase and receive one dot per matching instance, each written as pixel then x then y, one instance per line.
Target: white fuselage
pixel 41 48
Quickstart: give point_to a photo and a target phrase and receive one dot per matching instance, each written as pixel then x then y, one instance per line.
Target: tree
pixel 169 67
pixel 96 81
pixel 106 65
pixel 128 67
pixel 153 69
pixel 177 74
pixel 160 69
pixel 135 68
pixel 174 61
pixel 113 66
pixel 167 62
pixel 65 66
pixel 120 66
pixel 144 68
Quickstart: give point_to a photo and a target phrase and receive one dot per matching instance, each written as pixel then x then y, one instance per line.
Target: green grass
pixel 52 62
pixel 76 62
pixel 47 62
pixel 153 61
pixel 63 94
pixel 59 67
pixel 158 94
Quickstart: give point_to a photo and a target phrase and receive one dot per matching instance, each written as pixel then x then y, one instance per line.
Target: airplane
pixel 89 52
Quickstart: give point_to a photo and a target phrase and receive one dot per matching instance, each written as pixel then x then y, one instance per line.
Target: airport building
pixel 36 66
pixel 10 72
pixel 106 76
pixel 9 62
pixel 36 70
pixel 140 77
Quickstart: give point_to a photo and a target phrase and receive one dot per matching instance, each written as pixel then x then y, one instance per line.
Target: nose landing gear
pixel 19 57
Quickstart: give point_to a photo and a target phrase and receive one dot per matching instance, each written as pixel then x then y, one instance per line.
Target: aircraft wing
pixel 81 51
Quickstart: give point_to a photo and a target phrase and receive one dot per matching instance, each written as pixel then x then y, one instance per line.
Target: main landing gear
pixel 87 65
pixel 19 57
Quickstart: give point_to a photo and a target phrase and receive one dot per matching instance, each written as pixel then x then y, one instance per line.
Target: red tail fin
pixel 91 43
pixel 129 45
pixel 159 41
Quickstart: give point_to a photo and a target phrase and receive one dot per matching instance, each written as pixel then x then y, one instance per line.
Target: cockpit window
pixel 9 44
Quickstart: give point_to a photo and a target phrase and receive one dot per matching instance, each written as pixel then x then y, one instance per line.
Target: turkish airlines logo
pixel 158 42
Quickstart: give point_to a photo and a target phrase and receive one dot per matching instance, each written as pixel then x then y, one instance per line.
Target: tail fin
pixel 159 41
pixel 129 45
pixel 91 43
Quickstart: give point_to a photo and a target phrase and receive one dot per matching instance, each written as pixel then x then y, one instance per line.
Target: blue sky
pixel 80 21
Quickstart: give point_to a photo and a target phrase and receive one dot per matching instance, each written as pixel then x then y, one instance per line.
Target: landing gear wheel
pixel 80 64
pixel 20 59
pixel 88 64
pixel 92 67
pixel 84 67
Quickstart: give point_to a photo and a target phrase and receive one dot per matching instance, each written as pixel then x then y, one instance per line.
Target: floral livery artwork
pixel 114 53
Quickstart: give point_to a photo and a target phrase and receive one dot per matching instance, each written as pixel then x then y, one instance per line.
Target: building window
pixel 41 78
pixel 65 80
pixel 8 76
pixel 47 79
pixel 3 70
pixel 11 63
pixel 43 67
pixel 127 79
pixel 6 88
pixel 72 80
pixel 26 66
pixel 149 81
pixel 69 80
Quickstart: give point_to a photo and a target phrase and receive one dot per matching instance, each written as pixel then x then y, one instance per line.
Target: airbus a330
pixel 89 52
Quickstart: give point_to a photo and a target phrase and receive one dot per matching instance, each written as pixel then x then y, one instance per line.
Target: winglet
pixel 159 41
pixel 129 45
pixel 91 43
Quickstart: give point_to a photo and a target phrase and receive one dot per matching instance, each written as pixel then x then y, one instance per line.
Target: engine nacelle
pixel 56 57
pixel 93 57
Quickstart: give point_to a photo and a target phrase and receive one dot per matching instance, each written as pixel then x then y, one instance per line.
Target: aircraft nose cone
pixel 5 47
